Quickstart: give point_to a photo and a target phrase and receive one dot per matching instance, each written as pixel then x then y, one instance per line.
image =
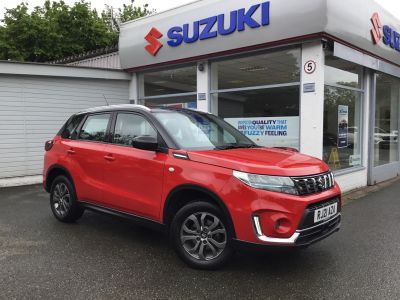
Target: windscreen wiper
pixel 235 146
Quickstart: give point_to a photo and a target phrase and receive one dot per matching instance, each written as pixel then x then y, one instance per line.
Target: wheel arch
pixel 55 171
pixel 175 201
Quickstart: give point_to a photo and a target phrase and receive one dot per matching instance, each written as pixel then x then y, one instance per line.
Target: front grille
pixel 321 204
pixel 308 217
pixel 314 184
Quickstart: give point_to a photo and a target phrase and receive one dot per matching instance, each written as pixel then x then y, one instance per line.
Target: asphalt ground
pixel 103 257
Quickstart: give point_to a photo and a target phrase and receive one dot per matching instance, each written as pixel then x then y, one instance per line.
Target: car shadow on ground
pixel 138 239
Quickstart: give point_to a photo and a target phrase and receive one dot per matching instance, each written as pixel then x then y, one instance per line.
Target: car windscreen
pixel 192 130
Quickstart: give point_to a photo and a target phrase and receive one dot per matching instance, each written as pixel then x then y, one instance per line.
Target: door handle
pixel 109 158
pixel 71 151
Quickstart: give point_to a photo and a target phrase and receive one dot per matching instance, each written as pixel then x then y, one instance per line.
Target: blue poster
pixel 343 126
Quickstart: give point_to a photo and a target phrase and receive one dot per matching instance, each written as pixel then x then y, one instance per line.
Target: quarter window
pixel 71 130
pixel 95 128
pixel 129 126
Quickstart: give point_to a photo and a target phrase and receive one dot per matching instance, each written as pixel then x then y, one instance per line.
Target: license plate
pixel 325 213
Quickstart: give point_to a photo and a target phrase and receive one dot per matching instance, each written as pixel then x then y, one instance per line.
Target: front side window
pixel 95 128
pixel 195 131
pixel 130 126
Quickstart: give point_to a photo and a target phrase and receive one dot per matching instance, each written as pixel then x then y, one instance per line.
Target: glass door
pixel 385 133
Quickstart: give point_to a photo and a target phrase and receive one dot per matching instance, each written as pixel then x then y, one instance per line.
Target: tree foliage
pixel 57 30
pixel 126 13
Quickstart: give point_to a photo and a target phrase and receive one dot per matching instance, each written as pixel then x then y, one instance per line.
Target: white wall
pixel 33 109
pixel 312 104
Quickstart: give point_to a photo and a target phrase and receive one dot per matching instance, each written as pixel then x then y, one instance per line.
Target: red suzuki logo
pixel 376 30
pixel 154 44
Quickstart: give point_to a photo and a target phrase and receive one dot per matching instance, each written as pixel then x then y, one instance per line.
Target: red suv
pixel 193 175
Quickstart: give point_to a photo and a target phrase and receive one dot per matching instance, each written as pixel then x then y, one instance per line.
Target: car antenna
pixel 108 104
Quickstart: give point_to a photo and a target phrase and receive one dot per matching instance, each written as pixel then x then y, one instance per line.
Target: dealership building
pixel 321 76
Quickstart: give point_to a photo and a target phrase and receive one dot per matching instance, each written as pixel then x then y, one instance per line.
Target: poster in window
pixel 343 126
pixel 269 132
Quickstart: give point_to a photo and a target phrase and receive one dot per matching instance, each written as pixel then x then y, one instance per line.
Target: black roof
pixel 135 107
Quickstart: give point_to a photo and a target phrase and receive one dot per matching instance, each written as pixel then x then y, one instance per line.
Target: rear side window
pixel 71 129
pixel 129 126
pixel 95 128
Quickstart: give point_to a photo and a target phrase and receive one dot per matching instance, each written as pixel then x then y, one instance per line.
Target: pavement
pixel 102 257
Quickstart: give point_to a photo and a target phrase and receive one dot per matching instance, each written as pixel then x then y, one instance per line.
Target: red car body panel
pixel 269 161
pixel 134 180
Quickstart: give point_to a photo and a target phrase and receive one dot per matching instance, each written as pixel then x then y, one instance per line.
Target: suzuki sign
pixel 214 28
pixel 386 33
pixel 211 27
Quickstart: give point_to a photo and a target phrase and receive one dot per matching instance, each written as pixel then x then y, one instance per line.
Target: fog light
pixel 282 225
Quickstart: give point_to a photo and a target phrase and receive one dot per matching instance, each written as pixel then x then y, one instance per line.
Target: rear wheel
pixel 63 200
pixel 201 236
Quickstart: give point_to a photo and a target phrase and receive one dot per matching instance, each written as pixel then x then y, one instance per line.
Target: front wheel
pixel 63 200
pixel 201 236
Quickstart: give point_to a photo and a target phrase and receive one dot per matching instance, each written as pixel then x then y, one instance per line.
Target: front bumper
pixel 282 219
pixel 302 237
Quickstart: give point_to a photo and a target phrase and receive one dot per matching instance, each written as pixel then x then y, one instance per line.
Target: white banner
pixel 343 126
pixel 269 132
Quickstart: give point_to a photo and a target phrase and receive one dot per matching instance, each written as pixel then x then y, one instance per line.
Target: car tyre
pixel 201 236
pixel 63 200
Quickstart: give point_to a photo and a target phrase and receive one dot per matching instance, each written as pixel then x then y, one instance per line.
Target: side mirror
pixel 145 142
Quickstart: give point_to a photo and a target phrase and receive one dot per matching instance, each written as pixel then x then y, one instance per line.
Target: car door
pixel 134 177
pixel 86 156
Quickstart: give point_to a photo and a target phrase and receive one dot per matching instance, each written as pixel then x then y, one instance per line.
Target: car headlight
pixel 269 183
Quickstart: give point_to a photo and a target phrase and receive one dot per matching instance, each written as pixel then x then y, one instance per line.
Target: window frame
pixel 362 93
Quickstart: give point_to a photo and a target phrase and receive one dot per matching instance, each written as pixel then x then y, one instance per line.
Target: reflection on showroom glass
pixel 257 70
pixel 342 72
pixel 171 81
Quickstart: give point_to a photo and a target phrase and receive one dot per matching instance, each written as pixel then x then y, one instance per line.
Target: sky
pixel 160 5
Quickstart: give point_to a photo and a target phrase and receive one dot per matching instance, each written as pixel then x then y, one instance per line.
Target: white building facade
pixel 322 76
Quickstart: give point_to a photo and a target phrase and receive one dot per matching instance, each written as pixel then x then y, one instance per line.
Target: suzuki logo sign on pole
pixel 154 44
pixel 256 16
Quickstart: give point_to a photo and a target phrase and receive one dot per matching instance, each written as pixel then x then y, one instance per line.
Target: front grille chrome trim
pixel 307 185
pixel 321 224
pixel 271 240
pixel 286 241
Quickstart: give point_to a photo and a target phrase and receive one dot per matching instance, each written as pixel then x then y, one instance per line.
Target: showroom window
pixel 386 131
pixel 342 113
pixel 260 95
pixel 173 87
